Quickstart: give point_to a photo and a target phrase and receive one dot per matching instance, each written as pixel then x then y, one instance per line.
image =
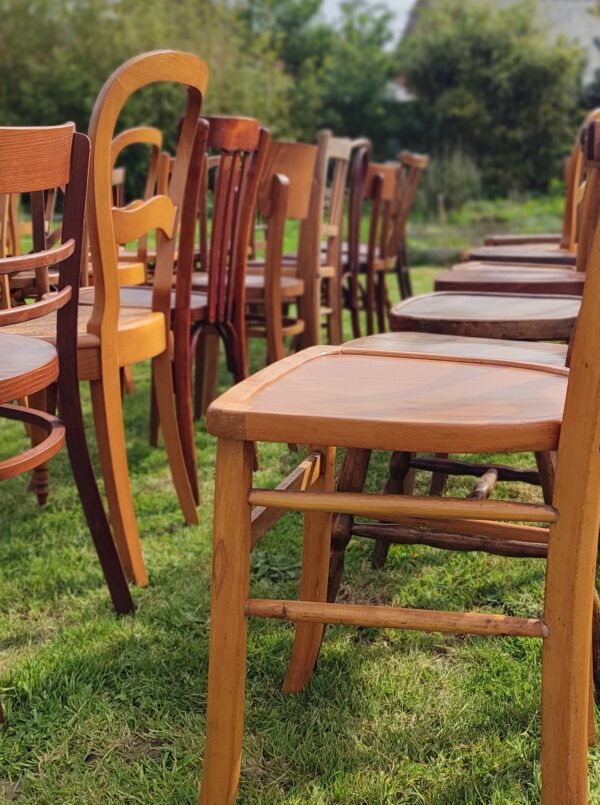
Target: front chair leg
pixel 228 623
pixel 313 582
pixel 399 470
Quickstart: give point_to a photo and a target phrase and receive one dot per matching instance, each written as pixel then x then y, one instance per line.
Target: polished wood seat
pixel 140 297
pixel 496 315
pixel 316 392
pixel 482 277
pixel 27 366
pixel 291 286
pixel 139 333
pixel 489 349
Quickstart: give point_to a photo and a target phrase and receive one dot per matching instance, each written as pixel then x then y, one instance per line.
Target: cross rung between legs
pixel 396 618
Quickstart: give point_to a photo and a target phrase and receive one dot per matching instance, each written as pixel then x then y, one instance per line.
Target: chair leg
pixel 110 438
pixel 381 301
pixel 154 424
pixel 313 583
pixel 399 470
pixel 128 382
pixel 438 480
pixel 39 478
pixel 352 479
pixel 165 400
pixel 565 700
pixel 228 623
pixel 95 515
pixel 182 383
pixel 206 374
pixel 334 319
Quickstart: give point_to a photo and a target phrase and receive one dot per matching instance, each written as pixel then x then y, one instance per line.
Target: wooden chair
pixel 241 145
pixel 317 261
pixel 395 405
pixel 382 189
pixel 111 336
pixel 36 162
pixel 283 195
pixel 534 270
pixel 511 247
pixel 411 169
pixel 412 403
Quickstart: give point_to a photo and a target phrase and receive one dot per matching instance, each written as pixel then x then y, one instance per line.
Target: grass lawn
pixel 104 710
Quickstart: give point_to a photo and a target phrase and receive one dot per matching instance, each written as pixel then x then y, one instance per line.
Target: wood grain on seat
pixel 402 403
pixel 509 316
pixel 488 349
pixel 508 279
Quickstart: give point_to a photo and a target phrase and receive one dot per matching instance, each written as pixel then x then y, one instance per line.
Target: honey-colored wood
pixel 396 618
pixel 385 507
pixel 297 389
pixel 313 581
pixel 227 643
pixel 122 346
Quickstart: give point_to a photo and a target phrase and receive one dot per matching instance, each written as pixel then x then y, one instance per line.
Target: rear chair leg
pixel 313 582
pixel 352 479
pixel 396 484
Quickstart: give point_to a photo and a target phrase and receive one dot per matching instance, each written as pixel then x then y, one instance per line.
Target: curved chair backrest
pixel 108 225
pixel 356 198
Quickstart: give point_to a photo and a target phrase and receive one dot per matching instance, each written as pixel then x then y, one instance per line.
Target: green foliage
pixel 491 84
pixel 449 182
pixel 56 54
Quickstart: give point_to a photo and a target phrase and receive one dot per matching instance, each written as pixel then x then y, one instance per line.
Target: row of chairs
pixel 216 291
pixel 381 392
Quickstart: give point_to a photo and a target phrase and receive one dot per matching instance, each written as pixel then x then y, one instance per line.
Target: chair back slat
pixel 38 158
pixel 72 149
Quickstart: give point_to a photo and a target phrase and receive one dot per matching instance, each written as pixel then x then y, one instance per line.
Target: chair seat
pixel 511 316
pixel 27 366
pixel 360 398
pixel 487 349
pixel 511 279
pixel 291 287
pixel 536 253
pixel 141 335
pixel 140 296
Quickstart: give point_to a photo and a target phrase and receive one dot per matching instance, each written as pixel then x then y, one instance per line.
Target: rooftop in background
pixel 400 8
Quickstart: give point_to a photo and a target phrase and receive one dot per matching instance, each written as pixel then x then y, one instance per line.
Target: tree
pixel 491 84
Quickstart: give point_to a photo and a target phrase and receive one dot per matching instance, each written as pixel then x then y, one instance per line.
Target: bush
pixel 490 84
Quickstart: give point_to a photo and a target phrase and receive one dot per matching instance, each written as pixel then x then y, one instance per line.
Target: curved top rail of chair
pixel 35 158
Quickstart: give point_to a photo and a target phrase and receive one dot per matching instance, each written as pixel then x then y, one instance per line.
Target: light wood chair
pixel 284 195
pixel 417 403
pixel 534 269
pixel 111 336
pixel 317 262
pixel 35 162
pixel 381 187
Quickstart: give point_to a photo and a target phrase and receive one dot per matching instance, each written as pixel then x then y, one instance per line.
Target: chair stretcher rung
pixel 395 507
pixel 396 618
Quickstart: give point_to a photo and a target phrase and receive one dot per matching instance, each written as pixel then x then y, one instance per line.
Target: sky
pixel 401 9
